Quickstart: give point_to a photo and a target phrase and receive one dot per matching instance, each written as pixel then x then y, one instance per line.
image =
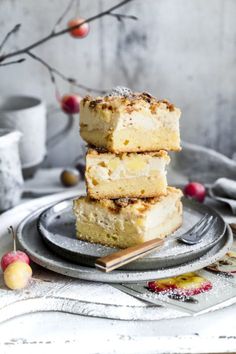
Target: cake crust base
pixel 141 187
pixel 133 140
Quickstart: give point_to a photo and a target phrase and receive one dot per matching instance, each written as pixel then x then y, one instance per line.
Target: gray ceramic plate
pixel 57 227
pixel 30 240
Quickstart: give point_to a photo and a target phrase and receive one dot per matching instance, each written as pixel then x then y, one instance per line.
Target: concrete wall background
pixel 184 50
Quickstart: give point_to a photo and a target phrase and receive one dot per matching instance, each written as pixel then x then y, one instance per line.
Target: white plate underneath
pixel 30 240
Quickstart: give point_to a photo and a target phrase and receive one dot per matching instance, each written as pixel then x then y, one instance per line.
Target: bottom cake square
pixel 127 222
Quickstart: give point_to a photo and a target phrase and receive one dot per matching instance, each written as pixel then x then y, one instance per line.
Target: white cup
pixel 27 115
pixel 11 181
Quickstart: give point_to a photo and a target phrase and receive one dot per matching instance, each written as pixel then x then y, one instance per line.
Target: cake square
pixel 134 123
pixel 127 222
pixel 138 175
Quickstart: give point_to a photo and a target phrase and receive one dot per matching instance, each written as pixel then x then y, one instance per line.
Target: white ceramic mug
pixel 28 115
pixel 11 180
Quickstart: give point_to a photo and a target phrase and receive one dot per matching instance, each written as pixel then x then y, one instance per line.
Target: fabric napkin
pixel 224 190
pixel 200 164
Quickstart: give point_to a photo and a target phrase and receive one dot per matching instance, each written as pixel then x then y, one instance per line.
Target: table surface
pixel 210 333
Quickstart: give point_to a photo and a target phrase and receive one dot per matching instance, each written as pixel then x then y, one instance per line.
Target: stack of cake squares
pixel 128 200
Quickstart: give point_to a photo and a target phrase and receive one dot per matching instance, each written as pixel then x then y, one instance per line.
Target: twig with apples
pixel 77 28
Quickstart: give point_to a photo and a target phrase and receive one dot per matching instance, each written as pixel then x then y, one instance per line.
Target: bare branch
pixel 13 62
pixel 52 72
pixel 93 18
pixel 66 30
pixel 60 19
pixel 120 17
pixel 8 35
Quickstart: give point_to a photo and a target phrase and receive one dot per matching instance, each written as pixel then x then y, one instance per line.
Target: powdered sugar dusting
pixel 220 293
pixel 121 91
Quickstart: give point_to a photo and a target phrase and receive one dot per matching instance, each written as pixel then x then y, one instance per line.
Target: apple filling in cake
pixel 127 222
pixel 136 123
pixel 113 176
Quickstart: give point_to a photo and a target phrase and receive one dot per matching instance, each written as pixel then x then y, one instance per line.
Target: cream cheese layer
pixel 148 121
pixel 104 121
pixel 115 168
pixel 96 214
pixel 159 213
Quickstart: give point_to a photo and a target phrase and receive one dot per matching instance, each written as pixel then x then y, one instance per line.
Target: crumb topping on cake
pixel 129 104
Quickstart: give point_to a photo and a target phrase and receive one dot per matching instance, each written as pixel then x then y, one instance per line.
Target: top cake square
pixel 134 123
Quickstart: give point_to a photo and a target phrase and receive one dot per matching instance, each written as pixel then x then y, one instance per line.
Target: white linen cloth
pixel 224 190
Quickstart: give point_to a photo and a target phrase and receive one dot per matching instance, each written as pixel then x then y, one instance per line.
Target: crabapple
pixel 13 256
pixel 196 191
pixel 80 32
pixel 70 177
pixel 17 275
pixel 70 104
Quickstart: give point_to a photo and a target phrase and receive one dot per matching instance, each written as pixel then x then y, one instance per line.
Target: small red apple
pixel 17 275
pixel 70 104
pixel 196 191
pixel 15 265
pixel 80 32
pixel 13 256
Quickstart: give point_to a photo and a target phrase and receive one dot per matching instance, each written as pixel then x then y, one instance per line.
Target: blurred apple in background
pixel 80 32
pixel 70 104
pixel 195 191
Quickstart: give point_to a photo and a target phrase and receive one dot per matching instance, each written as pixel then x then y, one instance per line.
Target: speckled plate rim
pixel 58 265
pixel 148 262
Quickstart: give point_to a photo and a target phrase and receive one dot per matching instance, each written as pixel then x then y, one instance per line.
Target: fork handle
pixel 127 255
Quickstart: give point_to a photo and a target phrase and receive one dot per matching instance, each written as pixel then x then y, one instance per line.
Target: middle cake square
pixel 133 175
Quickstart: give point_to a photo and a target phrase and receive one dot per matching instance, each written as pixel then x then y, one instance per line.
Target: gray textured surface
pixel 183 50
